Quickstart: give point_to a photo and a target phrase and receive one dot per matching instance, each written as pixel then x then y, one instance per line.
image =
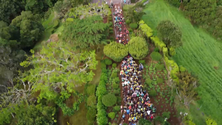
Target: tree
pixel 138 48
pixel 58 70
pixel 38 6
pixel 210 121
pixel 29 27
pixel 144 122
pixel 170 33
pixel 61 7
pixel 186 87
pixel 85 33
pixel 78 2
pixel 9 9
pixel 116 51
pixel 35 115
pixel 109 100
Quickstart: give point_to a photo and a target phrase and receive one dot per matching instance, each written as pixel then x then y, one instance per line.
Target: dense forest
pixel 62 62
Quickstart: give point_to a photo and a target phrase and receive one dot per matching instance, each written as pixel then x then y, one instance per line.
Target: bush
pixel 114 65
pixel 160 67
pixel 156 49
pixel 152 93
pixel 108 62
pixel 109 100
pixel 116 108
pixel 116 51
pixel 156 56
pixel 116 80
pixel 133 25
pixel 103 65
pixel 115 86
pixel 112 115
pixel 116 92
pixel 114 73
pixel 91 100
pixel 159 80
pixel 138 47
pixel 91 115
pixel 142 61
pixel 128 21
pixel 91 89
pixel 144 122
pixel 148 81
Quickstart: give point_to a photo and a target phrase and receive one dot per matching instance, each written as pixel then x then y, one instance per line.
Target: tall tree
pixel 38 6
pixel 86 32
pixel 29 27
pixel 59 70
pixel 138 47
pixel 170 33
pixel 186 87
pixel 9 9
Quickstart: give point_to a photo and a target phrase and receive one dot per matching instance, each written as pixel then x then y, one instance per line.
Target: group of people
pixel 136 101
pixel 122 34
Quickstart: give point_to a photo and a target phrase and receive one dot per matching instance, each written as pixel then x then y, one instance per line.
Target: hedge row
pixel 170 64
pixel 100 92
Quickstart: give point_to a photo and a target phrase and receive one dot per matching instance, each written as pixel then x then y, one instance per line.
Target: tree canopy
pixel 170 33
pixel 109 100
pixel 30 29
pixel 138 47
pixel 86 32
pixel 116 51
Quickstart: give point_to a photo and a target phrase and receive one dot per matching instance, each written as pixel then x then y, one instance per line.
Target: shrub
pixel 133 25
pixel 116 80
pixel 103 65
pixel 103 120
pixel 159 67
pixel 182 69
pixel 138 47
pixel 148 81
pixel 91 115
pixel 114 73
pixel 156 56
pixel 159 80
pixel 115 86
pixel 116 92
pixel 152 93
pixel 112 115
pixel 109 100
pixel 144 122
pixel 116 51
pixel 108 61
pixel 128 21
pixel 114 65
pixel 91 89
pixel 142 61
pixel 156 49
pixel 91 101
pixel 116 108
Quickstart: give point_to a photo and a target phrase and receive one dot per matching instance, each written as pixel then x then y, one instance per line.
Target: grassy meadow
pixel 200 54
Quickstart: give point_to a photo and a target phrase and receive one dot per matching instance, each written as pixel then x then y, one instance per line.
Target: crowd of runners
pixel 122 34
pixel 136 101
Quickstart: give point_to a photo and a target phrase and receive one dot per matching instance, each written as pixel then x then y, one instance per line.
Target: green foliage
pixel 156 56
pixel 133 25
pixel 85 33
pixel 108 62
pixel 30 29
pixel 61 7
pixel 115 73
pixel 91 100
pixel 172 51
pixel 148 81
pixel 35 115
pixel 182 69
pixel 170 33
pixel 166 115
pixel 38 6
pixel 114 65
pixel 91 89
pixel 112 115
pixel 159 80
pixel 5 116
pixel 109 100
pixel 142 61
pixel 128 21
pixel 160 67
pixel 144 122
pixel 91 115
pixel 175 3
pixel 210 121
pixel 116 51
pixel 116 108
pixel 115 86
pixel 135 13
pixel 138 47
pixel 152 93
pixel 103 65
pixel 156 49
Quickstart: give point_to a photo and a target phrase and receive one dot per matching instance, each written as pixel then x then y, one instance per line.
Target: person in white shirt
pixel 148 112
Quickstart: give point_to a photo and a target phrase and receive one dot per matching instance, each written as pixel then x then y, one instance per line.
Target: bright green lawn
pixel 199 54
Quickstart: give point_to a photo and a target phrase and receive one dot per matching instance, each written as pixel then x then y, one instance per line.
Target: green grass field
pixel 199 54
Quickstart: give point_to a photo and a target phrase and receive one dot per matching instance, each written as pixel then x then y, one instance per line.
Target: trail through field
pixel 200 54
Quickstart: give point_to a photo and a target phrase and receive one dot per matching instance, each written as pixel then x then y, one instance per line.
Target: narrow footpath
pixel 135 101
